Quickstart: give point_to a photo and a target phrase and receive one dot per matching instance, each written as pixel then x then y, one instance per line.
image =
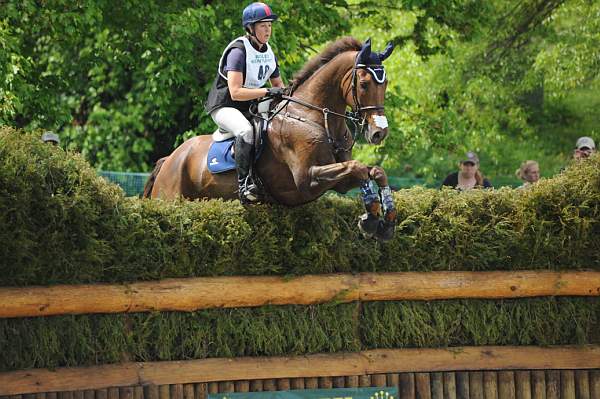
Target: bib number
pixel 263 71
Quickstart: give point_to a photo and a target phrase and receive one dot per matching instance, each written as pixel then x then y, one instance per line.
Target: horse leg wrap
pixel 368 222
pixel 386 228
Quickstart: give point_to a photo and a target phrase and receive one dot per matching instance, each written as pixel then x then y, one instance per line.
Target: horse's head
pixel 368 91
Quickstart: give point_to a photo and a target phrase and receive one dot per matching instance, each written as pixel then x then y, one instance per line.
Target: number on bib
pixel 263 71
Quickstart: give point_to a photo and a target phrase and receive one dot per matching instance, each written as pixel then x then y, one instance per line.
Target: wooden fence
pixel 518 384
pixel 558 372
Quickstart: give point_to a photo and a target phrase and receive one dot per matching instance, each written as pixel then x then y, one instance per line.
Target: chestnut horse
pixel 308 145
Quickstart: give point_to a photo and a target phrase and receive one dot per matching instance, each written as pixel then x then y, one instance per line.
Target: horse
pixel 308 148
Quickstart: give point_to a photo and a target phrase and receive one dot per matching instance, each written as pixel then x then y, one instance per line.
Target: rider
pixel 245 67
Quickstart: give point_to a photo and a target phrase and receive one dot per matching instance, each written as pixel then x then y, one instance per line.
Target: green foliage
pixel 124 82
pixel 294 330
pixel 61 223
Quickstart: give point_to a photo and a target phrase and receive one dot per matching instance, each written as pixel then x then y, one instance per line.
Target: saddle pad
pixel 220 157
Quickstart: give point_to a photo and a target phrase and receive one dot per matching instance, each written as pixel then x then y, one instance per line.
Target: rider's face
pixel 262 30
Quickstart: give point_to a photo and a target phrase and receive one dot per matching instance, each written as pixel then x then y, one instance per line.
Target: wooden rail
pixel 232 292
pixel 320 365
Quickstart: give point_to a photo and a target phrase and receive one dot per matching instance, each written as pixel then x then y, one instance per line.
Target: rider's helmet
pixel 257 12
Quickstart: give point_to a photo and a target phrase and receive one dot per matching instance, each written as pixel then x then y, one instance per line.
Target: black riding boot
pixel 248 191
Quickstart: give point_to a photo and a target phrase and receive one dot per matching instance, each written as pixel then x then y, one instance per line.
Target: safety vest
pixel 259 68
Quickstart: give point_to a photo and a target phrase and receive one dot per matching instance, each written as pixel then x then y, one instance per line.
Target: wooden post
pixel 538 384
pixel 213 388
pixel 256 386
pixel 242 386
pixel 150 392
pixel 126 393
pixel 176 391
pixel 76 395
pixel 378 380
pixel 506 385
pixel 553 384
pixel 311 383
pixel 225 387
pixel 283 384
pixel 422 386
pixel 567 384
pixel 594 384
pixel 297 383
pixel 100 394
pixel 490 385
pixel 523 384
pixel 352 381
pixel 364 381
pixel 582 384
pixel 407 386
pixel 200 391
pixel 476 385
pixel 325 383
pixel 113 393
pixel 437 385
pixel 269 385
pixel 392 380
pixel 339 382
pixel 462 385
pixel 188 391
pixel 449 385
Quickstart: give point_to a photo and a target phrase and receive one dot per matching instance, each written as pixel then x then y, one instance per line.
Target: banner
pixel 336 393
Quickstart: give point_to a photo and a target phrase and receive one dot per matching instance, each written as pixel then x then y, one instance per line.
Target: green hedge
pixel 61 223
pixel 291 330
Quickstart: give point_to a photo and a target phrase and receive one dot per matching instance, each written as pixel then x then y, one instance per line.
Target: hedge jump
pixel 233 292
pixel 319 365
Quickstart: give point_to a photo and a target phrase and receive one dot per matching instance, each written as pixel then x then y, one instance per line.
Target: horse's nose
pixel 377 136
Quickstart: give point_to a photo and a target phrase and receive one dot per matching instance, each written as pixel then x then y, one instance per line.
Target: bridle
pixel 357 116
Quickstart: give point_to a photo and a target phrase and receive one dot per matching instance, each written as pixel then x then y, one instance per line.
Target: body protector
pixel 259 68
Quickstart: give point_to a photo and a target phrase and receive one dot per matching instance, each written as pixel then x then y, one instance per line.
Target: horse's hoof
pixel 367 224
pixel 385 231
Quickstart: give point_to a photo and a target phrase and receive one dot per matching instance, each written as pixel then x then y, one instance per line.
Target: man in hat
pixel 50 137
pixel 584 147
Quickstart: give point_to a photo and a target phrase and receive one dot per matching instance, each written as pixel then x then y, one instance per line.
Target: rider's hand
pixel 275 92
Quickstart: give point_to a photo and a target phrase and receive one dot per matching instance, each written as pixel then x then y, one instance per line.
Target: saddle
pixel 221 157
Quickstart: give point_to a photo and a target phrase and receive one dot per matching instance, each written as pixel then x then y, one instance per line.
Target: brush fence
pixel 461 372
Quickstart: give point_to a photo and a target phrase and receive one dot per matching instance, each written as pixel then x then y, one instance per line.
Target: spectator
pixel 50 137
pixel 469 176
pixel 529 172
pixel 584 147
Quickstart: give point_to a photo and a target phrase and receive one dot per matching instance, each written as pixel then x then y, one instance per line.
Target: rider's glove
pixel 275 92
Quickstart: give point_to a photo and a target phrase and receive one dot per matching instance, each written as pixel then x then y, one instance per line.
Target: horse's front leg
pixel 355 174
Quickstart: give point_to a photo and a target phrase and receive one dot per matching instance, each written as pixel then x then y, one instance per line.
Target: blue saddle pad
pixel 220 156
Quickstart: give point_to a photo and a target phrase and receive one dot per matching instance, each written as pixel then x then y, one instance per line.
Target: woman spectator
pixel 529 172
pixel 469 176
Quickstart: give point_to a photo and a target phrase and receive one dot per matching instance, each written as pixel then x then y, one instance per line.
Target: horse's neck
pixel 325 88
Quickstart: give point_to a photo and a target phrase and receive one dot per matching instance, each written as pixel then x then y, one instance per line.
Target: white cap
pixel 585 142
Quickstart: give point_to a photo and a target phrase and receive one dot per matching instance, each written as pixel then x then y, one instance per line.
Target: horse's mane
pixel 341 45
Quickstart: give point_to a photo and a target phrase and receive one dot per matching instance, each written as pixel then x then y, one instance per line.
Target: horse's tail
pixel 150 182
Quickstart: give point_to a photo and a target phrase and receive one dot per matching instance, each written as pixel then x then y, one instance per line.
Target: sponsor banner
pixel 336 393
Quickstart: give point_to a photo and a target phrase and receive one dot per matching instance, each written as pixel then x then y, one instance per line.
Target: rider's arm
pixel 240 93
pixel 277 82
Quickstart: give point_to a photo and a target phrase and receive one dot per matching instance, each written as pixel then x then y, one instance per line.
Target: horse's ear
pixel 364 55
pixel 387 52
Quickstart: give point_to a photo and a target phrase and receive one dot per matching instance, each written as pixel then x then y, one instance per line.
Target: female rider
pixel 245 67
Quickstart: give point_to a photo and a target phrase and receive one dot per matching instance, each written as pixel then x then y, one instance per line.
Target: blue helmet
pixel 256 12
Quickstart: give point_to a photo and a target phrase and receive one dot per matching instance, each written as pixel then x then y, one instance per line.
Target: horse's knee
pixel 360 170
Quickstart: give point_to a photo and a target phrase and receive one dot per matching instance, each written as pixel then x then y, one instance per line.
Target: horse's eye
pixel 364 85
